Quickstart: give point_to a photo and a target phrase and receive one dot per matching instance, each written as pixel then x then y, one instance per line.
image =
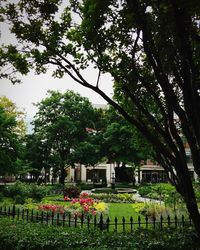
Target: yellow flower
pixel 101 206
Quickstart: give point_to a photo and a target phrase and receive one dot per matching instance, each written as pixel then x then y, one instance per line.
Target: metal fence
pixel 96 222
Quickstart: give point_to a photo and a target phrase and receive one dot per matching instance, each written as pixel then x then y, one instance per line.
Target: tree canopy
pixel 150 48
pixel 10 146
pixel 60 126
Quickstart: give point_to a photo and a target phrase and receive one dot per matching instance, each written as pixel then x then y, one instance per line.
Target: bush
pixel 25 191
pixel 72 191
pixel 85 186
pixel 18 199
pixel 114 198
pixel 20 235
pixel 18 188
pixel 37 192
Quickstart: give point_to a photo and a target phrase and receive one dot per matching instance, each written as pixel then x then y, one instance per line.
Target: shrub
pixel 37 192
pixel 18 188
pixel 72 191
pixel 106 197
pixel 25 191
pixel 18 199
pixel 20 235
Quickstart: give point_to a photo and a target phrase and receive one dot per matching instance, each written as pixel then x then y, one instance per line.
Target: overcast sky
pixel 34 87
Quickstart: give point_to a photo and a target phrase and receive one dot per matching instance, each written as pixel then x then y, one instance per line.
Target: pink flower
pixel 66 198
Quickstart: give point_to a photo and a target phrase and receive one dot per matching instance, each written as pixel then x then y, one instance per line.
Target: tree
pixel 60 125
pixel 18 115
pixel 9 143
pixel 123 144
pixel 151 49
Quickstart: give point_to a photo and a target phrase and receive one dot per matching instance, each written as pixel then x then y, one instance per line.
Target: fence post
pixel 27 212
pixel 13 211
pixel 5 211
pixel 131 220
pixel 9 211
pixel 42 217
pixel 116 224
pixel 183 220
pixel 63 220
pixel 95 221
pixel 161 222
pixel 32 215
pixel 47 218
pixel 82 218
pixel 69 221
pixel 154 222
pixel 88 222
pixel 176 220
pixel 168 221
pixel 37 216
pixel 101 222
pixel 139 222
pixel 22 214
pixel 146 220
pixel 123 223
pixel 52 217
pixel 108 224
pixel 18 212
pixel 75 220
pixel 58 219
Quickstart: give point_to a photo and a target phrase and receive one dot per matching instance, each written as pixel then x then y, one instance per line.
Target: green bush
pixel 19 235
pixel 85 186
pixel 114 198
pixel 37 192
pixel 18 188
pixel 72 191
pixel 18 199
pixel 25 190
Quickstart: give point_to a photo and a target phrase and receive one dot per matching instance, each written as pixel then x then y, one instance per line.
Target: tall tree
pixel 123 145
pixel 61 125
pixel 151 49
pixel 13 111
pixel 9 143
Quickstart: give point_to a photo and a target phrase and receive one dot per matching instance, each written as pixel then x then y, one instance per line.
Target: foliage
pixel 163 192
pixel 9 144
pixel 59 128
pixel 114 198
pixel 154 210
pixel 20 191
pixel 72 191
pixel 20 235
pixel 11 109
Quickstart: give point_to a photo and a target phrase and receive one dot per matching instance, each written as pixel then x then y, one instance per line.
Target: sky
pixel 34 88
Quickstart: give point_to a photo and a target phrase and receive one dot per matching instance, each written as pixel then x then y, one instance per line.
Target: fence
pixel 96 222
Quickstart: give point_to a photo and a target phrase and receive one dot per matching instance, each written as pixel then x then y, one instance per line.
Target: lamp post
pixel 113 180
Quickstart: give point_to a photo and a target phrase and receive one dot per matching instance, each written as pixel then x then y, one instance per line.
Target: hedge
pixel 18 235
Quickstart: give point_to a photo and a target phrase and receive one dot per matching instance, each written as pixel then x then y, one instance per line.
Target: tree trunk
pixel 191 203
pixel 62 174
pixel 194 214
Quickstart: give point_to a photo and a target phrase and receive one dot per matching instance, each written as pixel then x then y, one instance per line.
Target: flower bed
pixel 83 206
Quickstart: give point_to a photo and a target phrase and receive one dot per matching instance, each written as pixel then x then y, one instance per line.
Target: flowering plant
pixel 86 206
pixel 52 208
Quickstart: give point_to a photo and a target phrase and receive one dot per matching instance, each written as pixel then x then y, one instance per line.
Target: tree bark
pixel 62 174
